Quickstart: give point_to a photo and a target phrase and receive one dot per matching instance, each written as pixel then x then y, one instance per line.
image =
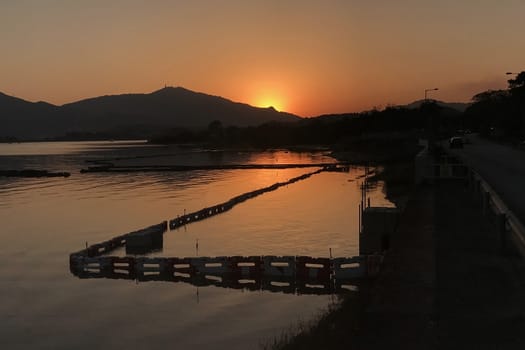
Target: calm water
pixel 43 306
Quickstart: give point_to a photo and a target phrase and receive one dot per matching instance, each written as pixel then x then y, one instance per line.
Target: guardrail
pixel 427 168
pixel 508 225
pixel 452 166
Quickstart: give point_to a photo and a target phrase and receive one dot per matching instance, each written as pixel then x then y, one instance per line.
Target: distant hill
pixel 128 115
pixel 19 117
pixel 333 117
pixel 458 106
pixel 449 108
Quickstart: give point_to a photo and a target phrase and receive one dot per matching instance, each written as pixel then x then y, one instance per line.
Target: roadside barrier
pixel 248 266
pixel 317 288
pixel 313 268
pixel 454 166
pixel 347 268
pixel 279 266
pixel 274 284
pixel 276 268
pixel 211 266
pixel 301 274
pixel 150 265
pixel 510 228
pixel 180 266
pixel 123 265
pixel 242 284
pixel 290 285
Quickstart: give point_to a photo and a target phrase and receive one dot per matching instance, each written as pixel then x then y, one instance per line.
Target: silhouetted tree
pixel 500 109
pixel 215 132
pixel 486 111
pixel 215 126
pixel 490 96
pixel 517 91
pixel 518 82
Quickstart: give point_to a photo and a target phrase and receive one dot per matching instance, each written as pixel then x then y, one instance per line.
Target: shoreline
pixel 33 173
pixel 445 283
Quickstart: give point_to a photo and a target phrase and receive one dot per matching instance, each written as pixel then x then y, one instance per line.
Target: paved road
pixel 502 167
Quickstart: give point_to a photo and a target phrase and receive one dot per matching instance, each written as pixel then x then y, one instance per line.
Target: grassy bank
pixel 331 329
pixel 335 327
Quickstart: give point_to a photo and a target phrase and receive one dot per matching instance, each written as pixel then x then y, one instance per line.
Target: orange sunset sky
pixel 305 57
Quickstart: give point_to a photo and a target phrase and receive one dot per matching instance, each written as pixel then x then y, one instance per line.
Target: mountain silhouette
pixel 458 106
pixel 135 115
pixel 17 117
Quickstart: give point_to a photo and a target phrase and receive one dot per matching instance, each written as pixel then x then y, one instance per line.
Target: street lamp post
pixel 521 109
pixel 431 120
pixel 426 92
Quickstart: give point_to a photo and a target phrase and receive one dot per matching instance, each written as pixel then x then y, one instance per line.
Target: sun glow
pixel 266 101
pixel 266 91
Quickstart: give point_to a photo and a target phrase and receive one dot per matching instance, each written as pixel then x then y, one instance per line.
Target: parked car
pixel 456 142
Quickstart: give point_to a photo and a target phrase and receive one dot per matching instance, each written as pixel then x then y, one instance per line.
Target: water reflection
pixel 65 147
pixel 286 285
pixel 43 220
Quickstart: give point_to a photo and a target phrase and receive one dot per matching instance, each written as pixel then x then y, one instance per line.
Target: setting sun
pixel 269 94
pixel 270 101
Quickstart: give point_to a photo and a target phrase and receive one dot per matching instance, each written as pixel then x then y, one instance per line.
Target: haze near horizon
pixel 304 57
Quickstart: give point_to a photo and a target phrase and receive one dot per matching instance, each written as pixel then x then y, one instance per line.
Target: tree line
pixel 491 111
pixel 500 112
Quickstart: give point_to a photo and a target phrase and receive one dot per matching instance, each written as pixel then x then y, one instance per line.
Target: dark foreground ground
pixel 446 284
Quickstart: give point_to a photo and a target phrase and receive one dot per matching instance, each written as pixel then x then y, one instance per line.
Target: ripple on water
pixel 45 219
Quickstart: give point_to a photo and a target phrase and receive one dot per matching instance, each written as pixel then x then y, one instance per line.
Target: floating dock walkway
pixel 32 173
pixel 283 274
pixel 94 262
pixel 112 168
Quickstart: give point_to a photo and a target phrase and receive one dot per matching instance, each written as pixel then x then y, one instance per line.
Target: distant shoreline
pixel 32 173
